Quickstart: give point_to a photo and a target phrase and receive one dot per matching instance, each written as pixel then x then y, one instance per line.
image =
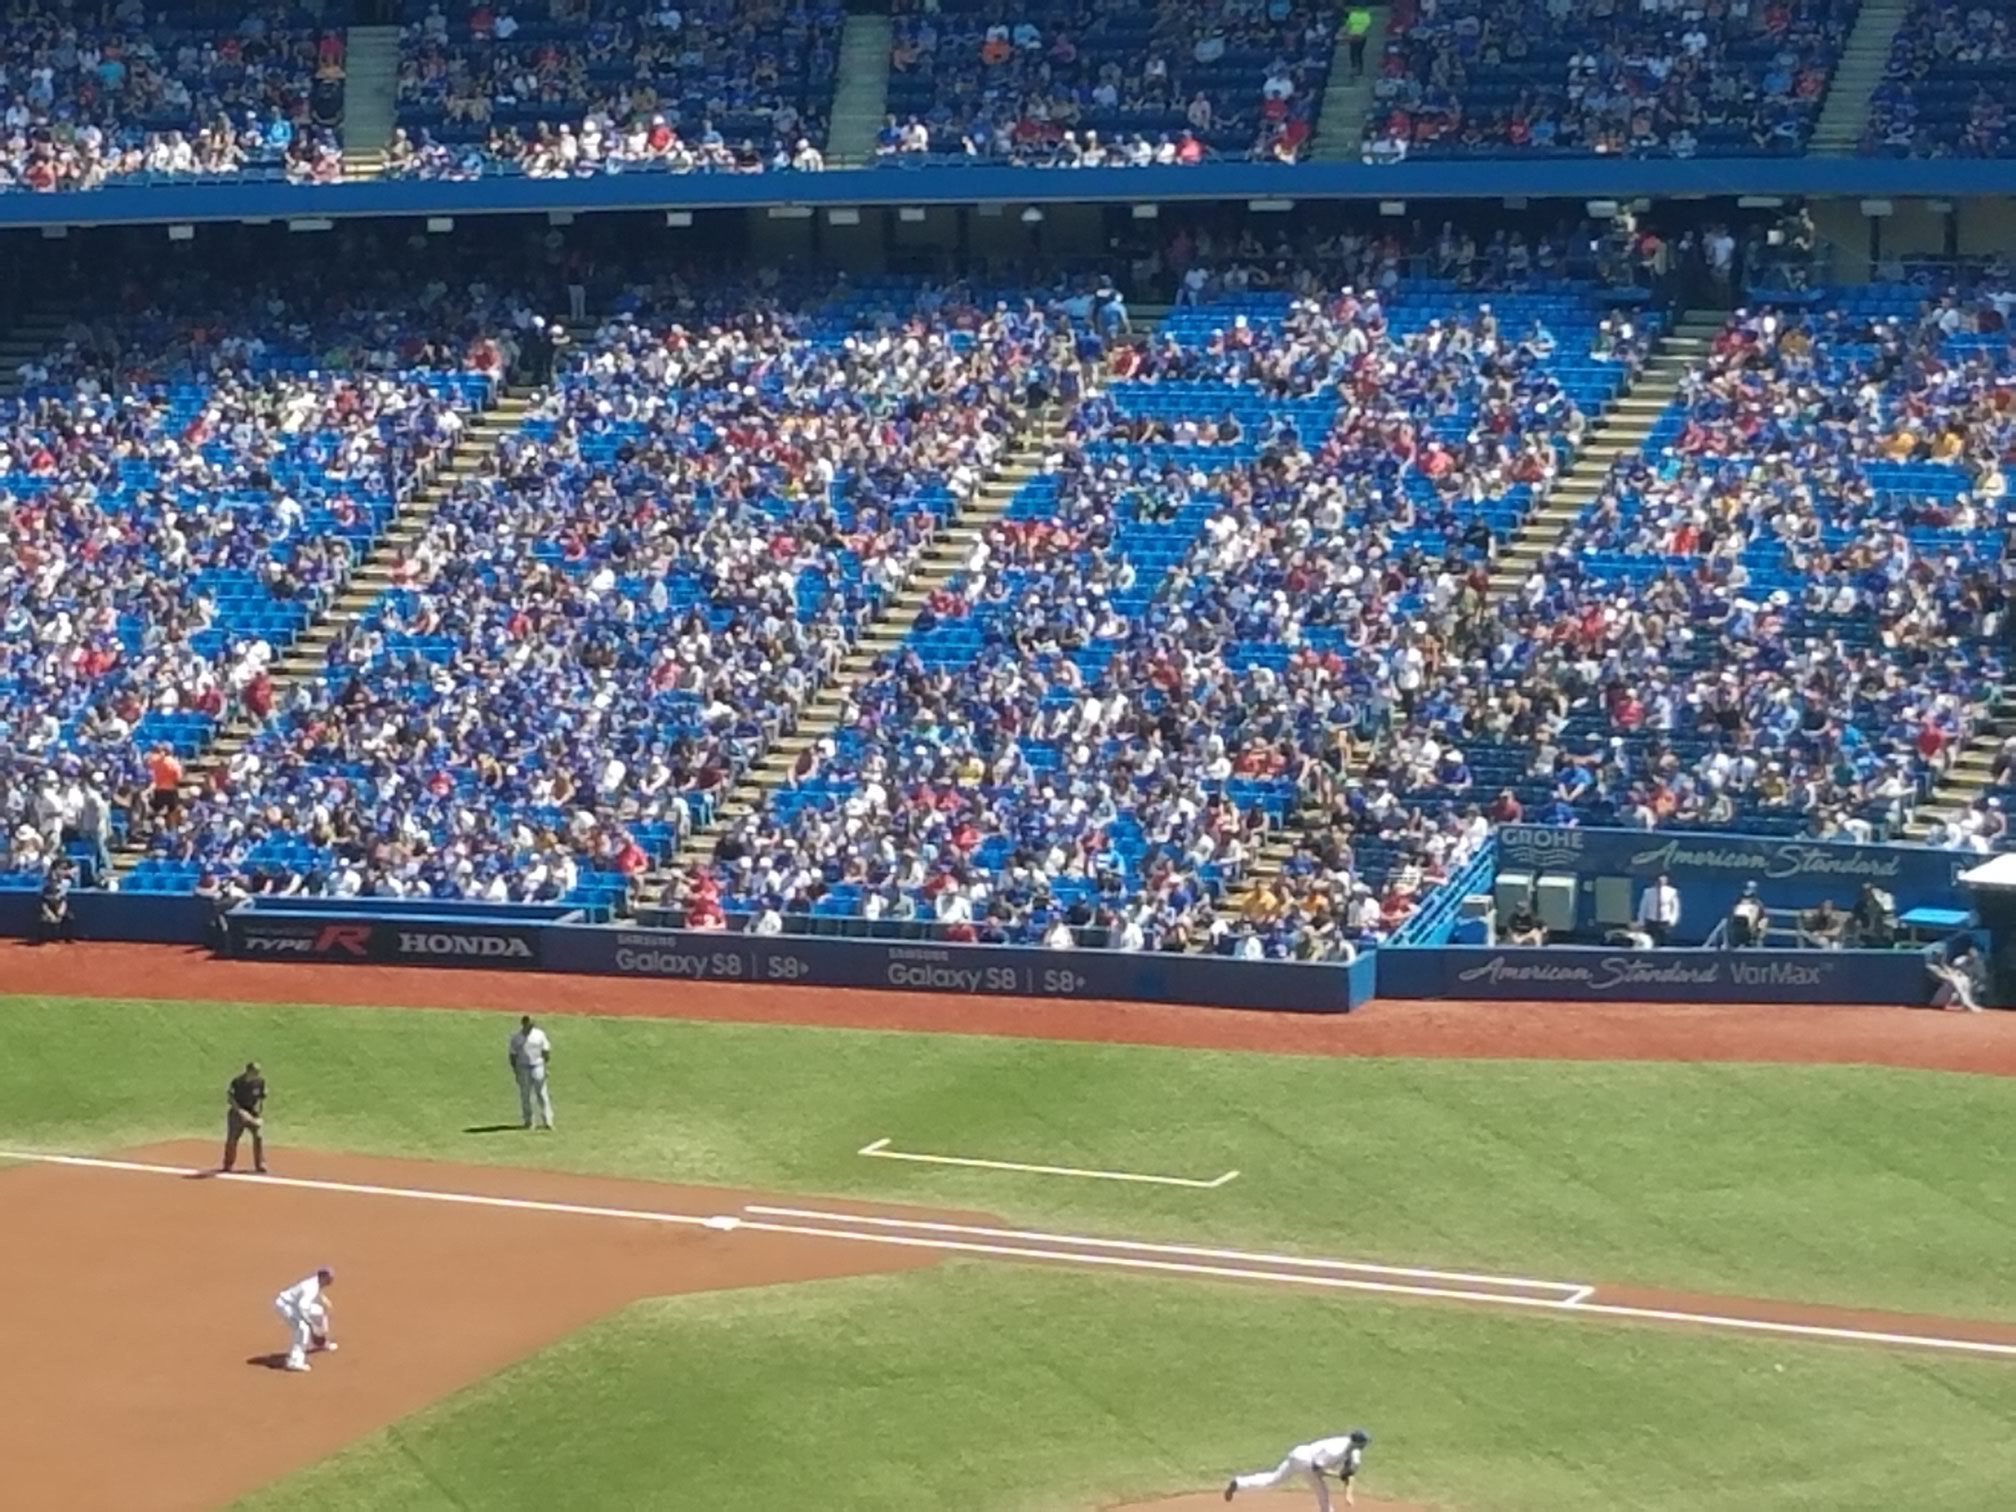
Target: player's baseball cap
pixel 1360 1437
pixel 324 1274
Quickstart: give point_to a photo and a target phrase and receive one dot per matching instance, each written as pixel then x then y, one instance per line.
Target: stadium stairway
pixel 1845 111
pixel 1347 102
pixel 370 87
pixel 942 559
pixel 371 577
pixel 1621 430
pixel 1967 780
pixel 861 99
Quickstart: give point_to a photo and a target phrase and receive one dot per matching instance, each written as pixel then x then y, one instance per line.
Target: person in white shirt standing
pixel 531 1053
pixel 303 1308
pixel 1659 910
pixel 1340 1457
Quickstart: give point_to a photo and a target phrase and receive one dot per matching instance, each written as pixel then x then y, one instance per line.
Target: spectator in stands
pixel 1357 31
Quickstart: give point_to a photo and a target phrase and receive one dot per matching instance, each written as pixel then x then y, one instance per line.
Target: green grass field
pixel 987 1386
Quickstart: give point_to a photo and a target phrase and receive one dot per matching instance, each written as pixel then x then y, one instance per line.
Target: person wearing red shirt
pixel 1931 742
pixel 164 780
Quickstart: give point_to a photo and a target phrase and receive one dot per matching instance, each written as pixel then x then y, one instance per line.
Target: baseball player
pixel 1340 1457
pixel 304 1308
pixel 531 1051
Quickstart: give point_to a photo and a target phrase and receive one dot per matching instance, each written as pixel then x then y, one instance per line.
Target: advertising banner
pixel 1583 974
pixel 1909 871
pixel 1710 871
pixel 419 940
pixel 972 970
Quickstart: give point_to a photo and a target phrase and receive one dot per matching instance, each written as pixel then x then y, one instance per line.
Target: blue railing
pixel 1576 178
pixel 1435 921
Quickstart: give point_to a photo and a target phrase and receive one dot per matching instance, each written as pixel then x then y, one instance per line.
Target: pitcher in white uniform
pixel 306 1315
pixel 530 1053
pixel 1314 1462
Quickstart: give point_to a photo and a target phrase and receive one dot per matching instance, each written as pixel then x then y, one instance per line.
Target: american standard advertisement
pixel 970 970
pixel 1689 857
pixel 1657 976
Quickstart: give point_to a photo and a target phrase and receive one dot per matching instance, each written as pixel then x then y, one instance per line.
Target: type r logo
pixel 344 939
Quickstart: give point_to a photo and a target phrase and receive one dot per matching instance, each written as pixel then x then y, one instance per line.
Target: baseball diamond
pixel 440 1235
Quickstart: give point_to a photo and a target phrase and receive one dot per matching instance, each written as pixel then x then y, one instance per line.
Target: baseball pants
pixel 1285 1474
pixel 236 1128
pixel 533 1098
pixel 303 1324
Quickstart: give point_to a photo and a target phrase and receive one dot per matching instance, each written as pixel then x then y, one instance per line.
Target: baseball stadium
pixel 1060 757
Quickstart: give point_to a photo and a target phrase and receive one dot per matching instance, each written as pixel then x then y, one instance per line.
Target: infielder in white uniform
pixel 304 1310
pixel 1339 1457
pixel 530 1053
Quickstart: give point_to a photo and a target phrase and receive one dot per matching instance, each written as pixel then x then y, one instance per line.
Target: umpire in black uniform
pixel 245 1113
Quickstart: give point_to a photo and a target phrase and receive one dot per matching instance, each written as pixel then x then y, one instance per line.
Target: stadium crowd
pixel 1130 83
pixel 112 95
pixel 612 86
pixel 188 477
pixel 1169 641
pixel 628 602
pixel 1599 76
pixel 1248 583
pixel 1945 86
pixel 1788 615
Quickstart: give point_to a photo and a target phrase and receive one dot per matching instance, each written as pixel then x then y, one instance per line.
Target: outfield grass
pixel 997 1389
pixel 1863 1187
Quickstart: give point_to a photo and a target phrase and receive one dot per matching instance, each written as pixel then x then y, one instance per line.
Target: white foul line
pixel 1040 1246
pixel 880 1150
pixel 916 1225
pixel 360 1189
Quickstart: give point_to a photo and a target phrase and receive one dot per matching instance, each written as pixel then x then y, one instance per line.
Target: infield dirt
pixel 143 1373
